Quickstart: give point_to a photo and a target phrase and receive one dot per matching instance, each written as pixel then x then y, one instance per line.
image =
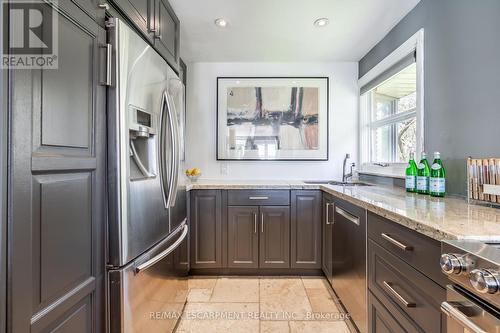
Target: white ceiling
pixel 282 30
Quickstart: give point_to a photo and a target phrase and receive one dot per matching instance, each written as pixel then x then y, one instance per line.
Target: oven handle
pixel 449 310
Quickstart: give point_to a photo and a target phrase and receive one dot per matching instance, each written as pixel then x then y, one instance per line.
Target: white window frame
pixel 414 44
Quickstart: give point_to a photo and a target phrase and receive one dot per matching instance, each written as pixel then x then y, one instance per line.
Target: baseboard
pixel 257 271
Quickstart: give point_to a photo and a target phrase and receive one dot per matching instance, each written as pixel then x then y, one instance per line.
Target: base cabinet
pixel 327 237
pixel 242 237
pixel 404 276
pixel 274 242
pixel 271 230
pixel 258 237
pixel 305 233
pixel 205 216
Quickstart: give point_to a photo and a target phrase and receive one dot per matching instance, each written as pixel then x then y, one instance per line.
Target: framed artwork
pixel 272 118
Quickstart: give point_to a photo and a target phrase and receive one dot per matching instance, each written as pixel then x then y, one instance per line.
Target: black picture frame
pixel 280 159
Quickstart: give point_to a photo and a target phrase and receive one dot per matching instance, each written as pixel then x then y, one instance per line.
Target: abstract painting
pixel 272 118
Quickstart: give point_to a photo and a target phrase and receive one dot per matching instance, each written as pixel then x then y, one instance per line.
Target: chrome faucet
pixel 349 175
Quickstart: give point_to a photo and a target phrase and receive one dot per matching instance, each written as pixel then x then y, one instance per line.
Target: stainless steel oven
pixel 473 296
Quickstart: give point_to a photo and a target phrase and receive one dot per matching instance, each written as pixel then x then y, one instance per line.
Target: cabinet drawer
pixel 413 293
pixel 382 320
pixel 258 197
pixel 415 249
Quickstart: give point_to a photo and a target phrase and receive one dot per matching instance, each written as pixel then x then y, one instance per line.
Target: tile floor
pixel 261 304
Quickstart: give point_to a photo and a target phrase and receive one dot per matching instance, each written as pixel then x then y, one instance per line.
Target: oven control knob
pixel 451 264
pixel 485 281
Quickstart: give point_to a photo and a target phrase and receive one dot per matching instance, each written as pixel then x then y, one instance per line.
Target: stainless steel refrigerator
pixel 147 228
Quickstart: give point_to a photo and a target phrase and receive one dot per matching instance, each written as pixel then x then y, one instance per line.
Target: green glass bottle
pixel 437 183
pixel 411 175
pixel 423 174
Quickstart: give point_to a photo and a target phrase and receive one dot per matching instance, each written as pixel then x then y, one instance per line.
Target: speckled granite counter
pixel 448 218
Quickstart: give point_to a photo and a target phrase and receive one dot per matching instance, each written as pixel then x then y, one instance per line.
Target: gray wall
pixel 462 78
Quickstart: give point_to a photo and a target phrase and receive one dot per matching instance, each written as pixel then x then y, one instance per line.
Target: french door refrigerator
pixel 147 228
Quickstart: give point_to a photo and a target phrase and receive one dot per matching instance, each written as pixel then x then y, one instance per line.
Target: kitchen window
pixel 391 109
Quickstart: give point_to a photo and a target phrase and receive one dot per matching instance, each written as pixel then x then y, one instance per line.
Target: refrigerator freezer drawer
pixel 149 294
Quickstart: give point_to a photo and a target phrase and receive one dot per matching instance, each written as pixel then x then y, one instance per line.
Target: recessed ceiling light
pixel 220 22
pixel 321 22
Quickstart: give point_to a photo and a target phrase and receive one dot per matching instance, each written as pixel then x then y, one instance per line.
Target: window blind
pixel 391 71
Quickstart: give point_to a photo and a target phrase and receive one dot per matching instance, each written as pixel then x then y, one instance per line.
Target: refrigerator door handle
pixel 161 150
pixel 173 152
pixel 164 253
pixel 177 157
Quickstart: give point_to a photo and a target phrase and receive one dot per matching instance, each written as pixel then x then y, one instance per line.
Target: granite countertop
pixel 438 218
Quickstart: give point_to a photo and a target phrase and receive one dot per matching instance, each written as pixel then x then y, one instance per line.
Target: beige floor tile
pixel 274 327
pixel 220 318
pixel 284 296
pixel 229 289
pixel 318 327
pixel 315 282
pixel 321 301
pixel 201 282
pixel 199 295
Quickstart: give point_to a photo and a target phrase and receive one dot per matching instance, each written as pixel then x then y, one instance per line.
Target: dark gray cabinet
pixel 158 23
pixel 327 236
pixel 305 236
pixel 274 242
pixel 413 293
pixel 206 228
pixel 139 12
pixel 167 32
pixel 57 185
pixel 272 230
pixel 243 237
pixel 404 275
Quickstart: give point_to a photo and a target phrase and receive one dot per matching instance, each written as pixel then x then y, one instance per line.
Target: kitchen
pixel 229 166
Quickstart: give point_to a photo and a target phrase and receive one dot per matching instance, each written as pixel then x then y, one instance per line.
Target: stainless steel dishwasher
pixel 349 260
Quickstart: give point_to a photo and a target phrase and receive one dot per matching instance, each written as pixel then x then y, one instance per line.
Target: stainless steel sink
pixel 349 183
pixel 318 182
pixel 334 182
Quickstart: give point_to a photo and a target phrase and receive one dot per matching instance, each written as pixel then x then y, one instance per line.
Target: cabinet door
pixel 167 32
pixel 140 12
pixel 306 229
pixel 327 237
pixel 206 229
pixel 274 237
pixel 57 195
pixel 242 237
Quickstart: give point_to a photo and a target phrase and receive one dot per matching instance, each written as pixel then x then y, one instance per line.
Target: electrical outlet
pixel 223 168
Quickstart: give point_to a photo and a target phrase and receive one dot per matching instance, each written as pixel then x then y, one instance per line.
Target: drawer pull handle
pixel 347 215
pixel 258 198
pixel 400 298
pixel 262 222
pixel 254 223
pixel 327 218
pixel 396 242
